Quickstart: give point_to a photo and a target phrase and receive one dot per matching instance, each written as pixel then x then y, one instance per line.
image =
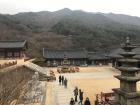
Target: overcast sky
pixel 130 7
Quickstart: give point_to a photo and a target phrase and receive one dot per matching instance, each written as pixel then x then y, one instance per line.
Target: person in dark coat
pixel 79 94
pixel 87 102
pixel 65 82
pixel 79 91
pixel 76 93
pixel 96 100
pixel 106 99
pixel 60 79
pixel 72 101
pixel 81 97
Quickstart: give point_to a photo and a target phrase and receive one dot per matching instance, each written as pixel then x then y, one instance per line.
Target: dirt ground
pixel 93 86
pixel 89 69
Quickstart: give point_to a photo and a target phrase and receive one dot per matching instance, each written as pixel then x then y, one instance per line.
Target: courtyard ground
pixel 92 81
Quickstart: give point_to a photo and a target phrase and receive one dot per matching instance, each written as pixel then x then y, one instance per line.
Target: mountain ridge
pixel 66 28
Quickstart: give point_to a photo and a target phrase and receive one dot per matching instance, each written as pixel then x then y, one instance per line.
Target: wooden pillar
pixel 85 62
pixel 20 54
pixel 73 62
pixel 13 54
pixel 5 53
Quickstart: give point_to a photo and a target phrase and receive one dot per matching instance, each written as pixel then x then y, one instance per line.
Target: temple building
pixel 115 56
pixel 127 94
pixel 98 58
pixel 12 49
pixel 56 57
pixel 78 57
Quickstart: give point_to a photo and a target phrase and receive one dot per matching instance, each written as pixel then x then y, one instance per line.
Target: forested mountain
pixel 132 20
pixel 69 29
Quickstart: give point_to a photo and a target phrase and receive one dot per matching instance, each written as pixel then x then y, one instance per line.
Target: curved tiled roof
pixel 12 44
pixel 97 56
pixel 115 53
pixel 60 54
pixel 74 54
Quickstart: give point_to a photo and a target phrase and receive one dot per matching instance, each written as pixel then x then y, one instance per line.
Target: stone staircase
pixel 62 94
pixel 35 67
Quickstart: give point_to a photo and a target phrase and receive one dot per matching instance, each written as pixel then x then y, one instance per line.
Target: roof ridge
pixel 12 40
pixel 13 44
pixel 65 49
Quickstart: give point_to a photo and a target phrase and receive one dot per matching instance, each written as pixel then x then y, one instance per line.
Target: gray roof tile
pixel 115 53
pixel 97 56
pixel 59 54
pixel 12 44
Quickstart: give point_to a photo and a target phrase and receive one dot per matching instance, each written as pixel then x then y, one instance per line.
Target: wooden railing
pixel 104 98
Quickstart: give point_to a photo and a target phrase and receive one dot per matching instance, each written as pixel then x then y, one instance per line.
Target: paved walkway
pixel 35 67
pixel 62 95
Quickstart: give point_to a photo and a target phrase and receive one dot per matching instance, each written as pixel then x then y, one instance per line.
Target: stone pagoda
pixel 127 94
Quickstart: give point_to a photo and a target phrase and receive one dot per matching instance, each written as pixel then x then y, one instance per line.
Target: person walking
pixel 79 91
pixel 72 102
pixel 76 93
pixel 65 82
pixel 87 102
pixel 80 97
pixel 60 79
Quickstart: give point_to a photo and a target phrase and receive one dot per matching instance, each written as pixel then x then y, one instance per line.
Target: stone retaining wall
pixel 12 82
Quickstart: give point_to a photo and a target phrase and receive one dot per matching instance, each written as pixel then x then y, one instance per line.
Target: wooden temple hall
pixel 78 57
pixel 12 49
pixel 115 56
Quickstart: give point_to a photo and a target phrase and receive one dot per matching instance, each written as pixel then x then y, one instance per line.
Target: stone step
pixel 63 95
pixel 66 103
pixel 35 68
pixel 63 89
pixel 66 97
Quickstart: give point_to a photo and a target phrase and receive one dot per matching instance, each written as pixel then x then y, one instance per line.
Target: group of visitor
pixel 80 93
pixel 63 81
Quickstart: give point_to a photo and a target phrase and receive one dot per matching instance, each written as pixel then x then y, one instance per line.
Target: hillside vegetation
pixel 65 29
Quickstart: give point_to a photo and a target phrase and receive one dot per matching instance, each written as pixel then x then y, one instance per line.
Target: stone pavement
pixel 62 94
pixel 35 67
